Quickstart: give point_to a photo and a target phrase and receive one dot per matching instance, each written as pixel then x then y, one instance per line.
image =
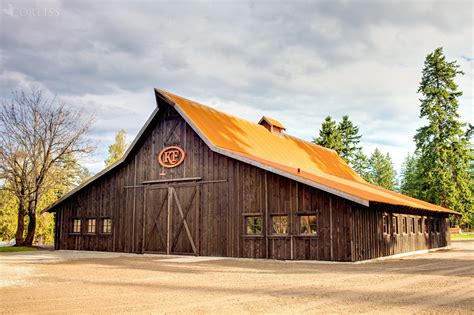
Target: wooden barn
pixel 198 181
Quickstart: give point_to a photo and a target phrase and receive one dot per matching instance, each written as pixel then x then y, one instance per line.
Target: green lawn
pixel 464 236
pixel 16 249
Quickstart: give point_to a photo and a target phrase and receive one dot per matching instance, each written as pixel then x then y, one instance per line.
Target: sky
pixel 295 61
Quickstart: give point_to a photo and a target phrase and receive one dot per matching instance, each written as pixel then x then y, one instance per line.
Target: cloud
pixel 297 62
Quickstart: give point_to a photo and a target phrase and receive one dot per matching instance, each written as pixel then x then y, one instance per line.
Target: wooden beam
pixel 266 216
pixel 160 181
pixel 168 224
pixel 134 205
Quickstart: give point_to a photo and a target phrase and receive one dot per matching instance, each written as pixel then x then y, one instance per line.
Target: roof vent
pixel 272 125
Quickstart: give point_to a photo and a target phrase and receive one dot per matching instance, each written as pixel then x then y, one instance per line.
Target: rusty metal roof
pixel 286 155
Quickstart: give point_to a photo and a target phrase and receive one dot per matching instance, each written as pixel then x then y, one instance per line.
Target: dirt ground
pixel 81 282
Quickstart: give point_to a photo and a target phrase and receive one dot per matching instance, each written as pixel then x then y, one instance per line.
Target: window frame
pixel 315 224
pixel 432 225
pixel 73 225
pixel 427 225
pixel 437 226
pixel 102 219
pixel 404 225
pixel 246 230
pixel 394 222
pixel 87 226
pixel 385 224
pixel 412 226
pixel 272 223
pixel 420 225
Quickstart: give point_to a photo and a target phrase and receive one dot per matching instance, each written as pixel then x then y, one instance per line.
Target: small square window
pixel 385 223
pixel 395 225
pixel 280 224
pixel 76 226
pixel 437 225
pixel 106 226
pixel 253 225
pixel 308 224
pixel 91 226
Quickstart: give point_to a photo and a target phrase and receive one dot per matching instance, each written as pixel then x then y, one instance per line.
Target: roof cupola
pixel 272 125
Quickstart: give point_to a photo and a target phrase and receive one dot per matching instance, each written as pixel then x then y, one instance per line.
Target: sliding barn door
pixel 156 219
pixel 172 219
pixel 184 220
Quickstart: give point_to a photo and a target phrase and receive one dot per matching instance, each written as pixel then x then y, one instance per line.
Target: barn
pixel 198 181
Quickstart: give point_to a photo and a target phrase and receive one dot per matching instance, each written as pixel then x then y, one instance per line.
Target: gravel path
pixel 85 282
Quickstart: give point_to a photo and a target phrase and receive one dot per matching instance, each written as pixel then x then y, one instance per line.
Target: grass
pixel 16 249
pixel 464 236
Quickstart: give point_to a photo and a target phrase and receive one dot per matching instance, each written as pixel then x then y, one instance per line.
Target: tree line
pixel 43 143
pixel 441 170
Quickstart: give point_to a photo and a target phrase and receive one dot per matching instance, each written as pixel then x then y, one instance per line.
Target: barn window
pixel 432 225
pixel 420 226
pixel 436 224
pixel 91 226
pixel 427 225
pixel 106 225
pixel 308 224
pixel 394 224
pixel 404 225
pixel 412 225
pixel 280 224
pixel 253 225
pixel 385 223
pixel 76 226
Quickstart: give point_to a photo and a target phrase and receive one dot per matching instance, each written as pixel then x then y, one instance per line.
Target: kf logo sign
pixel 171 156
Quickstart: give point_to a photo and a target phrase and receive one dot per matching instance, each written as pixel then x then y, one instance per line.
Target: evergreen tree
pixel 117 149
pixel 381 171
pixel 360 164
pixel 409 183
pixel 442 145
pixel 350 139
pixel 329 135
pixel 344 138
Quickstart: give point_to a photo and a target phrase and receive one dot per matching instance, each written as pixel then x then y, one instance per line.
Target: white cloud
pixel 296 62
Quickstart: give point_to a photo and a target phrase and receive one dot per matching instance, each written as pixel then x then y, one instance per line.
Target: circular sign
pixel 171 156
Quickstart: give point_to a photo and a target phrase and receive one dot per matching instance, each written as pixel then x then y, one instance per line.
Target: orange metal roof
pixel 273 122
pixel 299 159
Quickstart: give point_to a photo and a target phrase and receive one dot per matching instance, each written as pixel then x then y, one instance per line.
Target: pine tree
pixel 360 164
pixel 344 138
pixel 442 145
pixel 329 135
pixel 409 183
pixel 350 139
pixel 381 171
pixel 117 149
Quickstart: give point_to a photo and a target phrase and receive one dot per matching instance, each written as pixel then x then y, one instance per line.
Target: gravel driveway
pixel 87 282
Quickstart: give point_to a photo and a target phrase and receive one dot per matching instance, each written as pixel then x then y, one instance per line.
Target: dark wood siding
pixel 215 200
pixel 370 241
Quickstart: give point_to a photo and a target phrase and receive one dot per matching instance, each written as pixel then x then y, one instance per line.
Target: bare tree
pixel 37 134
